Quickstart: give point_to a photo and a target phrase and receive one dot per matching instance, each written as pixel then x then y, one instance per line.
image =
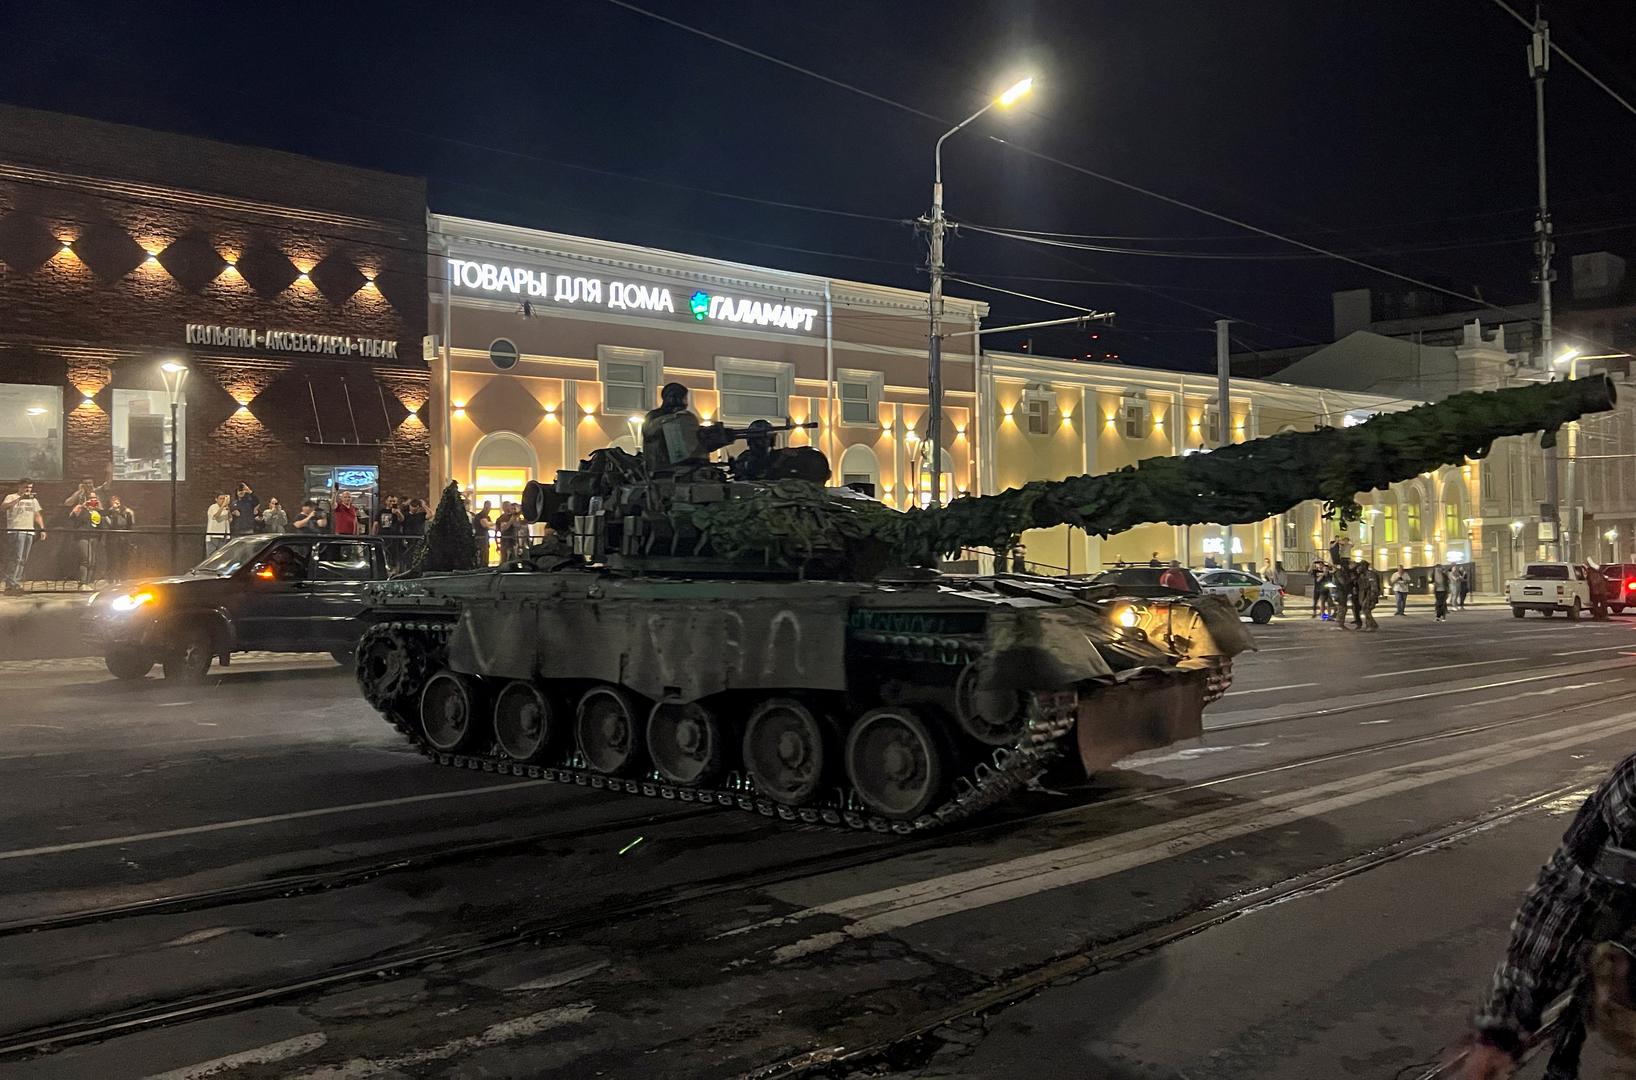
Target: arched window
pixel 859 465
pixel 500 465
pixel 1454 518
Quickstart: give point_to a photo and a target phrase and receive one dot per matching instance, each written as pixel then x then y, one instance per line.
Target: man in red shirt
pixel 344 518
pixel 1174 578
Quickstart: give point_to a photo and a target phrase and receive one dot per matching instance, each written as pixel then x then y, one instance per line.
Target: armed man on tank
pixel 674 441
pixel 670 433
pixel 757 460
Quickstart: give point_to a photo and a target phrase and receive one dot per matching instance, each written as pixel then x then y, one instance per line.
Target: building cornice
pixel 1114 377
pixel 455 231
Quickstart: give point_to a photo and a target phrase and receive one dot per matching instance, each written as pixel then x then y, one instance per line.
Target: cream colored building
pixel 550 346
pixel 1050 418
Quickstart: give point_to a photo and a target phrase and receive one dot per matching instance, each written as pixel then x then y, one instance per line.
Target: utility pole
pixel 936 224
pixel 1539 61
pixel 1224 416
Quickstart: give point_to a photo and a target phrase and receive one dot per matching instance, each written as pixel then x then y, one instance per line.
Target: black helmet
pixel 674 394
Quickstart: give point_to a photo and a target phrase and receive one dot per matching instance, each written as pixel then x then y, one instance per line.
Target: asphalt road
pixel 1316 888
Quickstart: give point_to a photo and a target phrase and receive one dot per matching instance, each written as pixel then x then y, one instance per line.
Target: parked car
pixel 1254 597
pixel 288 593
pixel 1549 587
pixel 1621 581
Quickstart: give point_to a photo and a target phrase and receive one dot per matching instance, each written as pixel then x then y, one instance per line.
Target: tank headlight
pixel 132 601
pixel 1126 616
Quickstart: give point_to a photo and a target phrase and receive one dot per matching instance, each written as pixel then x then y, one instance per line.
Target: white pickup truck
pixel 1548 587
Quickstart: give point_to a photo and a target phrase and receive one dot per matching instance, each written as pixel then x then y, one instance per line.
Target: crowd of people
pixel 89 515
pixel 243 513
pixel 94 517
pixel 1451 586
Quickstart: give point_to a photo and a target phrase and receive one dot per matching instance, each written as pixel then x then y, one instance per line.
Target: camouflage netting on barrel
pixel 793 522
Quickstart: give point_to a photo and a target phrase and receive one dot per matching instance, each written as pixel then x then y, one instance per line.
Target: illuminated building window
pixel 498 485
pixel 1040 410
pixel 859 393
pixel 1388 524
pixel 1454 528
pixel 630 378
pixel 1411 521
pixel 1210 426
pixel 501 464
pixel 753 389
pixel 142 435
pixel 32 427
pixel 1134 409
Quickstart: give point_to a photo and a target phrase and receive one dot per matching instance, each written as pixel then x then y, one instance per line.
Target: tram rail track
pixel 836 1063
pixel 220 1002
pixel 295 885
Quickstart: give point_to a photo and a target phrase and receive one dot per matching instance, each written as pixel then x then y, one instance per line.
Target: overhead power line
pixel 1115 181
pixel 1575 64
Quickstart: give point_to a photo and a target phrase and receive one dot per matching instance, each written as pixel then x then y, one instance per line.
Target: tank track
pixel 1006 771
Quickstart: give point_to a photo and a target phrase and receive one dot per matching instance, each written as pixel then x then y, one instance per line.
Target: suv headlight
pixel 132 601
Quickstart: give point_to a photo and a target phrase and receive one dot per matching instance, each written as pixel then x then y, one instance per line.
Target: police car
pixel 1256 599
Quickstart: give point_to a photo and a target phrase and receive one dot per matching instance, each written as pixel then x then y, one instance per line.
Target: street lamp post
pixel 936 225
pixel 174 374
pixel 1567 539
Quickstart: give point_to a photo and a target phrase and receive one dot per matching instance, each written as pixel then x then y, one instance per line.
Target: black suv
pixel 294 593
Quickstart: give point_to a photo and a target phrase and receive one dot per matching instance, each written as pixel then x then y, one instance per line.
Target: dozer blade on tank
pixel 643 649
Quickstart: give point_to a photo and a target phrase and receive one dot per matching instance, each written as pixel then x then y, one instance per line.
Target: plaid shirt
pixel 1559 921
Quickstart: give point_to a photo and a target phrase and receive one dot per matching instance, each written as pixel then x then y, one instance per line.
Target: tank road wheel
pixel 895 762
pixel 687 743
pixel 992 717
pixel 785 751
pixel 525 724
pixel 608 731
pixel 450 713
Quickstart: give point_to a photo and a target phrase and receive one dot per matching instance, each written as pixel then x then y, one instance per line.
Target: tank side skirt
pixel 1051 719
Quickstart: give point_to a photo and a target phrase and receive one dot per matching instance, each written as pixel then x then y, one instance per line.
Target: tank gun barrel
pixel 1246 482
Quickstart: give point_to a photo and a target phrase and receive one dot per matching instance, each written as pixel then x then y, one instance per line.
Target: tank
pixel 744 637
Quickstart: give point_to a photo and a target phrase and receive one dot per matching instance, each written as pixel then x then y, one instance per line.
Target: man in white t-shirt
pixel 218 520
pixel 20 514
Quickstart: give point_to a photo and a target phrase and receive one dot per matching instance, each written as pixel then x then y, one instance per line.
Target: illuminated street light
pixel 935 227
pixel 1011 96
pixel 174 373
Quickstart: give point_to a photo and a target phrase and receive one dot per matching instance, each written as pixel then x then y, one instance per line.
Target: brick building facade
pixel 292 289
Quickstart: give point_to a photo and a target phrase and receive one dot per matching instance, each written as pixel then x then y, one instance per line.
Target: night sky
pixel 1397 130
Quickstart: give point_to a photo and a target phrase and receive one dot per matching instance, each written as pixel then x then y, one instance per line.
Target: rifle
pixel 716 436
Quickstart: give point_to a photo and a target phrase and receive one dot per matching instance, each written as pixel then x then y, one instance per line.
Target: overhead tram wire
pixel 1040 155
pixel 1575 64
pixel 1265 256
